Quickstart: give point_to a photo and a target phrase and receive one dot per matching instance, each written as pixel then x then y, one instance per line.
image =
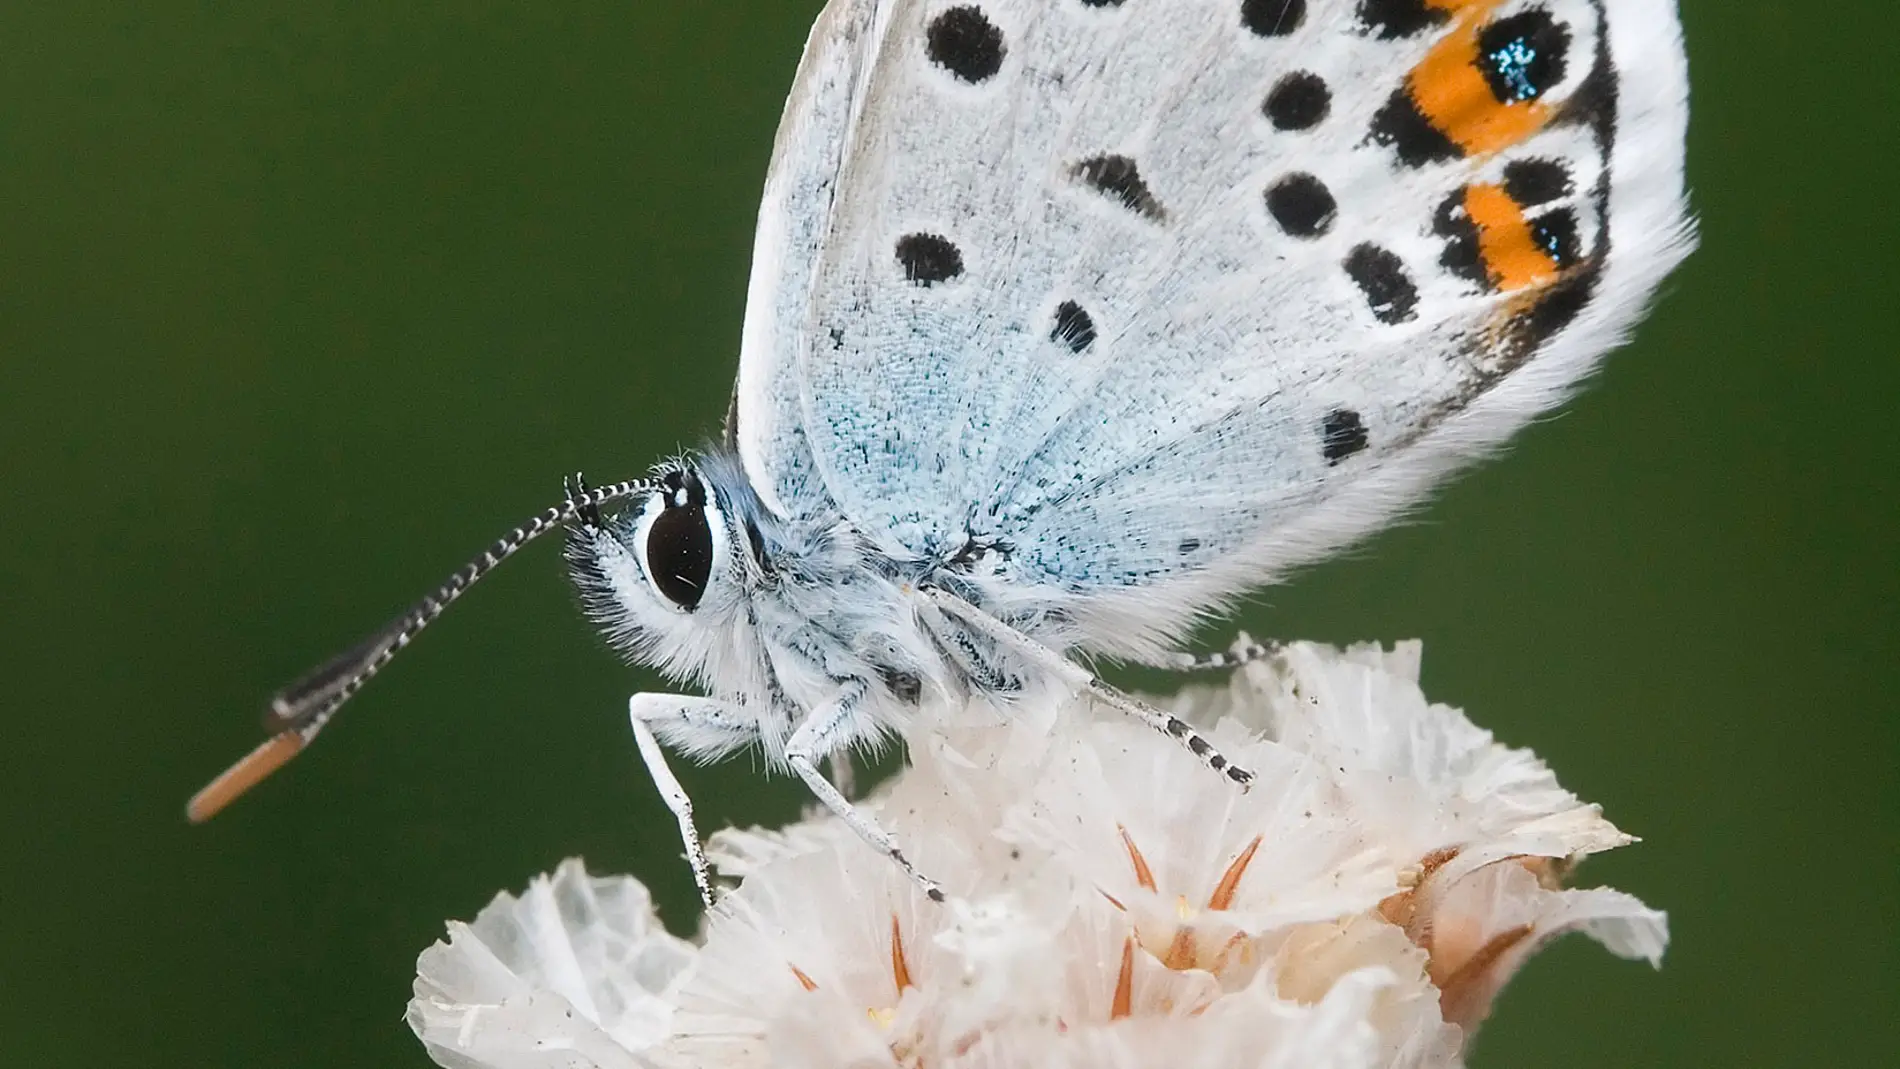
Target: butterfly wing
pixel 1166 297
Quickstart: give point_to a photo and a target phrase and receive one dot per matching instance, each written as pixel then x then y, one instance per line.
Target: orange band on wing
pixel 1451 93
pixel 1511 254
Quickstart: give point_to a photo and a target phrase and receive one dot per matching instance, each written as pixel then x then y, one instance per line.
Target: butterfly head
pixel 666 577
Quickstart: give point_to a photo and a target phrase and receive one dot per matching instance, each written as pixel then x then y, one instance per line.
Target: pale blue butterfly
pixel 1071 321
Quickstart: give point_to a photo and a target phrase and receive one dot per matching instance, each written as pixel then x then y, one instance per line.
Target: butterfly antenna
pixel 299 711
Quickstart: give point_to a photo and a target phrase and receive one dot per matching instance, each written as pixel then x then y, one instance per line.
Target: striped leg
pixel 1243 651
pixel 688 713
pixel 1049 660
pixel 822 734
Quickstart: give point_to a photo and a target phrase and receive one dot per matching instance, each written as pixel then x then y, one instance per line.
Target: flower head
pixel 1113 904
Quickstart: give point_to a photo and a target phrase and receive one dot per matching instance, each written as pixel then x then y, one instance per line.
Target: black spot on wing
pixel 1560 305
pixel 1555 232
pixel 1272 18
pixel 1073 327
pixel 1391 19
pixel 1380 276
pixel 1462 256
pixel 1523 56
pixel 1101 3
pixel 1120 178
pixel 1593 101
pixel 1342 433
pixel 1302 205
pixel 1298 101
pixel 966 43
pixel 1534 182
pixel 1402 126
pixel 1556 307
pixel 928 259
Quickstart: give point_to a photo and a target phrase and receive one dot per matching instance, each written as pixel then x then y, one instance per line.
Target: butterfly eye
pixel 679 542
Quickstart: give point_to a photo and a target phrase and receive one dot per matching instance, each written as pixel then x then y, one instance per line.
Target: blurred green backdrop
pixel 301 303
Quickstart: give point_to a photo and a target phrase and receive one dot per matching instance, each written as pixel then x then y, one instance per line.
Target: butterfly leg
pixel 843 774
pixel 1051 661
pixel 687 713
pixel 1244 651
pixel 820 735
pixel 1173 727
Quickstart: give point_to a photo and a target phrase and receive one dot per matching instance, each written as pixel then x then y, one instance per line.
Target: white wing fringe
pixel 1114 904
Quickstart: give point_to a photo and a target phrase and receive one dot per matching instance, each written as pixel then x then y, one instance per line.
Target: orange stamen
pixel 1181 951
pixel 900 968
pixel 804 981
pixel 1474 967
pixel 1224 891
pixel 1122 1005
pixel 1143 875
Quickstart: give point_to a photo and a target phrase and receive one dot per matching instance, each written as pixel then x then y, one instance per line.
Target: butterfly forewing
pixel 1167 296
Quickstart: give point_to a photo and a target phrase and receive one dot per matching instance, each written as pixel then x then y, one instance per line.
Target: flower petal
pixel 1489 924
pixel 576 972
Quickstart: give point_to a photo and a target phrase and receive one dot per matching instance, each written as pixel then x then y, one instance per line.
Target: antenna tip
pixel 248 771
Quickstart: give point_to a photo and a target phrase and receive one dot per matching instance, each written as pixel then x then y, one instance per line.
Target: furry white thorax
pixel 797 608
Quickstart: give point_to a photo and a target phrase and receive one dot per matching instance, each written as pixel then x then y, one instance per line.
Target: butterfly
pixel 1073 321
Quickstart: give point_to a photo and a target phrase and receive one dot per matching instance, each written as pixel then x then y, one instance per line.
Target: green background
pixel 299 304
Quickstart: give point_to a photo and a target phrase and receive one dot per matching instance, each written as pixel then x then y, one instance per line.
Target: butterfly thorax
pixel 776 615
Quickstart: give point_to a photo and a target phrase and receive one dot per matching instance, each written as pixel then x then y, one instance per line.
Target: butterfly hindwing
pixel 1168 296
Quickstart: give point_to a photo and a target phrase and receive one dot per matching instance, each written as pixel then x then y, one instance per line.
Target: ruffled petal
pixel 576 972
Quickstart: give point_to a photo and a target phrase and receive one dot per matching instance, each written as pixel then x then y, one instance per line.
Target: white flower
pixel 1113 904
pixel 577 971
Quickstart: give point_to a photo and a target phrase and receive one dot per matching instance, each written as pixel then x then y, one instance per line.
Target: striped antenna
pixel 299 711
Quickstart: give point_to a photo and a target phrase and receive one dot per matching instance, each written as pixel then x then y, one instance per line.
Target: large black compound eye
pixel 679 542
